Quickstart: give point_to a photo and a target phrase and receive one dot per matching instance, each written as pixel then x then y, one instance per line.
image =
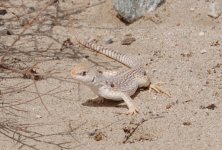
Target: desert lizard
pixel 114 85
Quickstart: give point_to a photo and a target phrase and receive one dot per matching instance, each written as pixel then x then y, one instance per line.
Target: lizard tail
pixel 122 58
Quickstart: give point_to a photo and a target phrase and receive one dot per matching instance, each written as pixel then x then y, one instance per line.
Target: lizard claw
pixel 157 88
pixel 132 111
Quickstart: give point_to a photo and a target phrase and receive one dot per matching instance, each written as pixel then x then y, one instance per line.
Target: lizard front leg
pixel 128 100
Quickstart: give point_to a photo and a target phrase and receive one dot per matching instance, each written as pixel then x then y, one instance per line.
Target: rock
pixel 128 40
pixel 203 51
pixel 38 116
pixel 131 10
pixel 192 9
pixel 151 5
pixel 31 9
pixel 109 40
pixel 215 10
pixel 201 33
pixel 6 32
pixel 3 12
pixel 2 22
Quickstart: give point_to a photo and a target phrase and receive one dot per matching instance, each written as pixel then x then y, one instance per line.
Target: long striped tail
pixel 122 58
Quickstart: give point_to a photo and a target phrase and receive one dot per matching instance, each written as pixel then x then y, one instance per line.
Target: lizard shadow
pixel 111 103
pixel 105 103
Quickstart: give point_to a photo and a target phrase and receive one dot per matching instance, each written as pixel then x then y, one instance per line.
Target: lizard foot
pixel 158 89
pixel 132 111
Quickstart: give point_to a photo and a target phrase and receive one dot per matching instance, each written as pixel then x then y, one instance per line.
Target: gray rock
pixel 131 10
pixel 109 40
pixel 128 39
pixel 3 11
pixel 151 5
pixel 215 10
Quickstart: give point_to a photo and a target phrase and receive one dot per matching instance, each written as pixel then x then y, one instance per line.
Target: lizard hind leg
pixel 156 87
pixel 96 99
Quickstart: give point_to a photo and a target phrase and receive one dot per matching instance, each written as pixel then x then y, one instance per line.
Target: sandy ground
pixel 179 44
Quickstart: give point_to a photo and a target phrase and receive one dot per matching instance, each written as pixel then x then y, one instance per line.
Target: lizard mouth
pixel 76 69
pixel 73 72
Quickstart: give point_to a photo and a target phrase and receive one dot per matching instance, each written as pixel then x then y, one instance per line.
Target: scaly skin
pixel 116 85
pixel 141 74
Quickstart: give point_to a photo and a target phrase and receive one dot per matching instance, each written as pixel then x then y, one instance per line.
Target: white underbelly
pixel 112 94
pixel 107 94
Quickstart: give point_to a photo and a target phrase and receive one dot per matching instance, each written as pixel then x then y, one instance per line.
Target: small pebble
pixel 2 22
pixel 187 123
pixel 128 39
pixel 9 32
pixel 211 106
pixel 6 32
pixel 201 33
pixel 109 41
pixel 3 11
pixel 38 116
pixel 203 51
pixel 192 9
pixel 31 9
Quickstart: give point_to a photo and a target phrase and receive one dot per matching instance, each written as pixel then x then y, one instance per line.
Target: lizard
pixel 114 85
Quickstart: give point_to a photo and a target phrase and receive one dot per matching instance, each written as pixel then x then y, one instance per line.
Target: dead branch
pixel 23 136
pixel 26 27
pixel 28 73
pixel 131 132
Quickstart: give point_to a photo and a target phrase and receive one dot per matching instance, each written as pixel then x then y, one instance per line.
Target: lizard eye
pixel 99 71
pixel 144 73
pixel 83 73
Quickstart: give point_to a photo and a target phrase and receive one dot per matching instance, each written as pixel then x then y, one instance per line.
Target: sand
pixel 179 44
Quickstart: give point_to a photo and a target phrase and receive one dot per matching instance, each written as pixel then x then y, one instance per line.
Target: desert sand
pixel 42 107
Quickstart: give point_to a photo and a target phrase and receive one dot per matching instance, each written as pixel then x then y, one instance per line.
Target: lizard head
pixel 83 73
